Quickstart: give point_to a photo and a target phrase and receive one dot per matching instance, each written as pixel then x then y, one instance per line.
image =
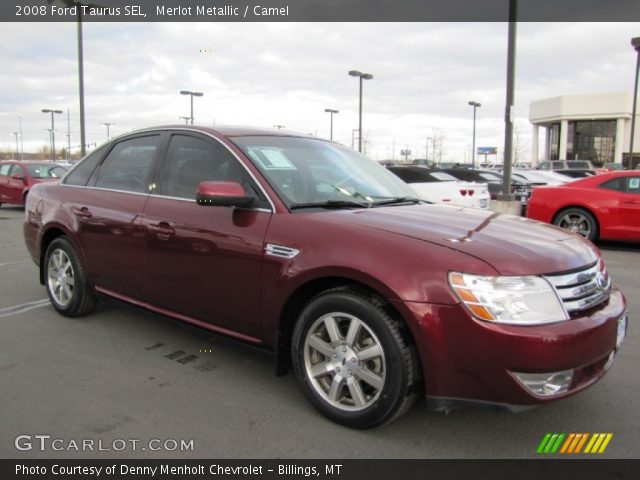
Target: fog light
pixel 546 384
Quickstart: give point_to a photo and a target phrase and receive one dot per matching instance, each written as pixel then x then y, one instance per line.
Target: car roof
pixel 231 131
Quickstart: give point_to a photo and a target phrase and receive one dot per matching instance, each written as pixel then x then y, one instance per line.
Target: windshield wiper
pixel 395 200
pixel 330 204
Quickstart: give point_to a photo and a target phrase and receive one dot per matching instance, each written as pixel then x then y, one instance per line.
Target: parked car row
pixel 308 249
pixel 17 178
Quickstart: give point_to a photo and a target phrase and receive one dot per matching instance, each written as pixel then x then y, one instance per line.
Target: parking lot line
pixel 12 263
pixel 24 307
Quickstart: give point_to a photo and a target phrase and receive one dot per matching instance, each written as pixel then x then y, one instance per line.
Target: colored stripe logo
pixel 574 443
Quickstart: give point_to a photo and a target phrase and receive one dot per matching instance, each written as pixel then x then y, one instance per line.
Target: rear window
pixel 83 170
pixel 45 171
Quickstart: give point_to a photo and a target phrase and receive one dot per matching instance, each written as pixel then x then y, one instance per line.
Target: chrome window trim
pixel 104 189
pixel 153 195
pixel 195 130
pixel 182 129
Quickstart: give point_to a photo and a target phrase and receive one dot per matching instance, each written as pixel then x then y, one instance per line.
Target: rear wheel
pixel 352 360
pixel 66 283
pixel 578 220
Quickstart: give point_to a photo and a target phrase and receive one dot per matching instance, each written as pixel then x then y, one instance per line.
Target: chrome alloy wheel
pixel 344 361
pixel 576 222
pixel 61 281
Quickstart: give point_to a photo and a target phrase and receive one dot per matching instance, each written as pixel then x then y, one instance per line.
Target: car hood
pixel 512 245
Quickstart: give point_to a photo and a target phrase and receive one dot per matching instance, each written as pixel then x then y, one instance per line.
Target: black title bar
pixel 317 10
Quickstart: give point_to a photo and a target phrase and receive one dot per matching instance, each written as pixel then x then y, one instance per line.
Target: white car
pixel 543 177
pixel 440 187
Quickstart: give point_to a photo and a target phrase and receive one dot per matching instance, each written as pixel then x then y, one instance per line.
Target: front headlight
pixel 516 300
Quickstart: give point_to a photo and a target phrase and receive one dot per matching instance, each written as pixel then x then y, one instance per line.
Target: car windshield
pixel 45 171
pixel 306 171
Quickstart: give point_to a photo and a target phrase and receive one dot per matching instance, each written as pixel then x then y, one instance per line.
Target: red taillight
pixel 463 193
pixel 471 193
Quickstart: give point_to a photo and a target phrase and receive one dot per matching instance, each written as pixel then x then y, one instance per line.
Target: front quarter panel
pixel 395 266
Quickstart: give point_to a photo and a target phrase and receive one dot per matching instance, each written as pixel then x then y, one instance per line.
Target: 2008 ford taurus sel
pixel 317 253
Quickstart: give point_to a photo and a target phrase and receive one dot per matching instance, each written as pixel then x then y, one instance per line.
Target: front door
pixel 203 262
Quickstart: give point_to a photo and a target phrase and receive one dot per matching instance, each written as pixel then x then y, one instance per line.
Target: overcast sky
pixel 262 74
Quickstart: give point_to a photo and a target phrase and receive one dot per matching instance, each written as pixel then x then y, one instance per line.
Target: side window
pixel 633 185
pixel 83 170
pixel 127 166
pixel 17 170
pixel 191 160
pixel 616 184
pixel 4 169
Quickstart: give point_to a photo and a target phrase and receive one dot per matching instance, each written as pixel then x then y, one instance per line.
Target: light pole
pixel 331 112
pixel 186 120
pixel 109 125
pixel 21 138
pixel 475 106
pixel 53 130
pixel 635 43
pixel 191 94
pixel 361 76
pixel 508 114
pixel 16 134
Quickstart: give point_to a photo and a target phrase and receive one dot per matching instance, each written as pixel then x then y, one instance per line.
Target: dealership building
pixel 594 127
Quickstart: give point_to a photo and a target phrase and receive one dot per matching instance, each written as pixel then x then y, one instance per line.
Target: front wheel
pixel 65 279
pixel 352 359
pixel 578 220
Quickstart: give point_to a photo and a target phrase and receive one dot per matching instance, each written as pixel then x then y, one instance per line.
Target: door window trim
pixel 196 134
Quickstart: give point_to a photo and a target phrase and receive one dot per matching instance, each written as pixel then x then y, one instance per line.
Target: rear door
pixel 204 262
pixel 108 211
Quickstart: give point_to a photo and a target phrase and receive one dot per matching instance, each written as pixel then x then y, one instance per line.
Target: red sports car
pixel 604 206
pixel 17 178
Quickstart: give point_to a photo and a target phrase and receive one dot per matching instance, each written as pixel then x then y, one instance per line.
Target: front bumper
pixel 469 359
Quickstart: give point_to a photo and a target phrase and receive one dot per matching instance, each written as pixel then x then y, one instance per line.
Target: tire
pixel 65 280
pixel 578 220
pixel 352 360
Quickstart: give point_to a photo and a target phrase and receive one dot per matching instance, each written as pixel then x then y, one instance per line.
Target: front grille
pixel 582 290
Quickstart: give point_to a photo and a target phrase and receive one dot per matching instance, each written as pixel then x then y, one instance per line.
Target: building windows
pixel 592 140
pixel 554 142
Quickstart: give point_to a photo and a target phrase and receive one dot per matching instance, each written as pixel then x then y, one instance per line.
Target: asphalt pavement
pixel 123 377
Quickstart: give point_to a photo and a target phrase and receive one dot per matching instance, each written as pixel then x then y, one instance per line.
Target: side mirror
pixel 223 194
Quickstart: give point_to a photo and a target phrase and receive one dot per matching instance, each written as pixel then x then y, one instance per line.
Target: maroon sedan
pixel 310 250
pixel 17 178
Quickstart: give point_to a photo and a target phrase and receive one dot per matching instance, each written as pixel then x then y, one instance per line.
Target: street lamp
pixel 16 134
pixel 53 130
pixel 331 112
pixel 361 76
pixel 186 120
pixel 108 125
pixel 475 106
pixel 191 94
pixel 635 43
pixel 21 137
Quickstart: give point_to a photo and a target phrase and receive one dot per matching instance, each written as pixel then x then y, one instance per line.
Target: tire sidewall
pixel 80 286
pixel 588 215
pixel 396 376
